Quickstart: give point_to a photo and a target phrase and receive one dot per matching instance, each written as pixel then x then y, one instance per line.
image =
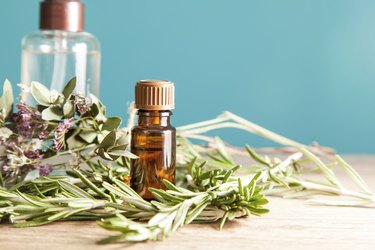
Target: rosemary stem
pixel 334 190
pixel 262 131
pixel 202 124
pixel 210 127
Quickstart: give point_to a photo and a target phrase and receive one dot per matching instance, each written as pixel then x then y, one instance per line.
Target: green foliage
pixel 41 93
pixel 6 101
pixel 68 122
pixel 210 185
pixel 100 193
pixel 69 87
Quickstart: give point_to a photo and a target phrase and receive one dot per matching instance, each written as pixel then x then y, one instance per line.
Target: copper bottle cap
pixel 154 95
pixel 62 15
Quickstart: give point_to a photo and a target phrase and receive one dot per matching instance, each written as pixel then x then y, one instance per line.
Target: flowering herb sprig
pixel 60 124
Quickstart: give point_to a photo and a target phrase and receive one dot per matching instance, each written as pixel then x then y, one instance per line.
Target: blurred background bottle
pixel 61 49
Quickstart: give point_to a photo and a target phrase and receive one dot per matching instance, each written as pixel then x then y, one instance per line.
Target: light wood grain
pixel 291 224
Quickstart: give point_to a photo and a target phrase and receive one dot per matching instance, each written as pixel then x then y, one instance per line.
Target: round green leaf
pixel 40 93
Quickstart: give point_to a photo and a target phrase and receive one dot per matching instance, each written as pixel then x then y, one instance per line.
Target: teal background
pixel 305 69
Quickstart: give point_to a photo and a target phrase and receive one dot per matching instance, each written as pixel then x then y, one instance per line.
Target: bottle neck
pixel 154 117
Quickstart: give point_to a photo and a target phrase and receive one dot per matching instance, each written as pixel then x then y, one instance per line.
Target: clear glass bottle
pixel 61 50
pixel 153 140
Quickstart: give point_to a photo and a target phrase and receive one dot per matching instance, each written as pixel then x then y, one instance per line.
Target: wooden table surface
pixel 291 224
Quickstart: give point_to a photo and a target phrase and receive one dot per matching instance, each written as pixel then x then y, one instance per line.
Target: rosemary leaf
pixel 353 174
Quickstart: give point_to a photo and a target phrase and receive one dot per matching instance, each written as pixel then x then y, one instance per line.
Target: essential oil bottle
pixel 153 140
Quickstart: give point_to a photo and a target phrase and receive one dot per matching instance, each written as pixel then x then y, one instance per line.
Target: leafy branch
pixel 103 195
pixel 289 178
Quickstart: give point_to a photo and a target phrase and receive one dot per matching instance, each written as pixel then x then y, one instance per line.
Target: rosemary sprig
pixel 178 206
pixel 100 194
pixel 286 178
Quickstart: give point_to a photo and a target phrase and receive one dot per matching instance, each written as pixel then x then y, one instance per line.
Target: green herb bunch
pixel 99 193
pixel 63 159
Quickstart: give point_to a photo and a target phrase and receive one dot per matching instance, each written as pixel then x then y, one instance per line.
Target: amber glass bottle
pixel 153 139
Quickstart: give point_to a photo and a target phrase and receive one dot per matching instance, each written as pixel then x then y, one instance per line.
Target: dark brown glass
pixel 154 142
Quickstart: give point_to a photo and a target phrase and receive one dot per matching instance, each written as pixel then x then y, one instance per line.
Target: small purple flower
pixel 68 123
pixel 43 134
pixel 44 170
pixel 83 103
pixel 29 122
pixel 60 132
pixel 33 155
pixel 20 155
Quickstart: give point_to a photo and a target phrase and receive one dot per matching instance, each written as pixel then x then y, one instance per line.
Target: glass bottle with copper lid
pixel 153 140
pixel 61 50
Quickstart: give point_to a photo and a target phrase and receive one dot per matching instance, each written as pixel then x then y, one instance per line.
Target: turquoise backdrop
pixel 305 69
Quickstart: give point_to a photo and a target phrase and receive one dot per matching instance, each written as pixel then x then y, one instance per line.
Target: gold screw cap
pixel 154 95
